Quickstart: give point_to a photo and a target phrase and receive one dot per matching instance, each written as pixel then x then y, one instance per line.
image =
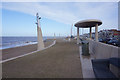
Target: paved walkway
pixel 86 64
pixel 60 61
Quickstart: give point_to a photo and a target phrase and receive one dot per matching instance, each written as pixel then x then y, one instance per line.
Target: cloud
pixel 60 0
pixel 43 10
pixel 107 12
pixel 69 12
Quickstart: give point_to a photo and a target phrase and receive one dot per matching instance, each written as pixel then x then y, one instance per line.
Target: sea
pixel 10 42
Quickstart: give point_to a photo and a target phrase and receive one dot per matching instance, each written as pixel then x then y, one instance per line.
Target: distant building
pixel 114 33
pixel 109 33
pixel 103 34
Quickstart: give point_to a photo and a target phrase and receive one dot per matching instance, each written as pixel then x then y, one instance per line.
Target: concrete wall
pixel 102 50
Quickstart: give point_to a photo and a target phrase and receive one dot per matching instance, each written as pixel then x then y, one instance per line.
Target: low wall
pixel 102 50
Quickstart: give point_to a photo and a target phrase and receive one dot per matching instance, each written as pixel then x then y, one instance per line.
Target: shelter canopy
pixel 88 23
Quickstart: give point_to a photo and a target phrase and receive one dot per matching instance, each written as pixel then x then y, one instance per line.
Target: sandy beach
pixel 59 61
pixel 16 51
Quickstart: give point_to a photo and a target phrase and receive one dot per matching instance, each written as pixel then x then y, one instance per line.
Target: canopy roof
pixel 88 23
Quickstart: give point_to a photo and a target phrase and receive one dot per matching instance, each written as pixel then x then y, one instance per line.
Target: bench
pixel 101 67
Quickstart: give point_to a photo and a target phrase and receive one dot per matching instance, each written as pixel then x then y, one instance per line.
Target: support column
pixel 96 32
pixel 91 33
pixel 78 35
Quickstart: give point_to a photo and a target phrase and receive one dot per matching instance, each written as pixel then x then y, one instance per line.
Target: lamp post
pixel 54 36
pixel 39 34
pixel 78 40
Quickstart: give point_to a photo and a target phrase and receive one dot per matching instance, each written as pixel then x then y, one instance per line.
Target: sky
pixel 19 18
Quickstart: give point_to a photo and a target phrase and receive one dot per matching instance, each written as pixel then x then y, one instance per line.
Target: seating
pixel 101 67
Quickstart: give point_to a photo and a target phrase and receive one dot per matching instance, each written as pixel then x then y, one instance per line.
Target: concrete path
pixel 60 61
pixel 86 64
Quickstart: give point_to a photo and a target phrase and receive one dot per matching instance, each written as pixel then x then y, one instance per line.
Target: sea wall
pixel 102 50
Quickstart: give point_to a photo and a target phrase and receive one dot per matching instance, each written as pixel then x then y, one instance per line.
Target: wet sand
pixel 59 61
pixel 16 51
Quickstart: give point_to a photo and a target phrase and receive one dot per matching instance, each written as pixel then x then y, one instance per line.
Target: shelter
pixel 88 24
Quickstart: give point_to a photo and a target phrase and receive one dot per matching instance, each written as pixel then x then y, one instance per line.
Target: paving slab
pixel 59 61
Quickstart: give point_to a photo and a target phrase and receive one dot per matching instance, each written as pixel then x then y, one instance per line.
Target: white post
pixel 74 31
pixel 54 36
pixel 39 35
pixel 91 33
pixel 78 40
pixel 96 32
pixel 71 29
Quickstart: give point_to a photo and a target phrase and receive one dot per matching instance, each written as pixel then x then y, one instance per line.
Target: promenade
pixel 59 61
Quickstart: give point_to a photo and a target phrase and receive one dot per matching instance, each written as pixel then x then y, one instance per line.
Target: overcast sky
pixel 18 18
